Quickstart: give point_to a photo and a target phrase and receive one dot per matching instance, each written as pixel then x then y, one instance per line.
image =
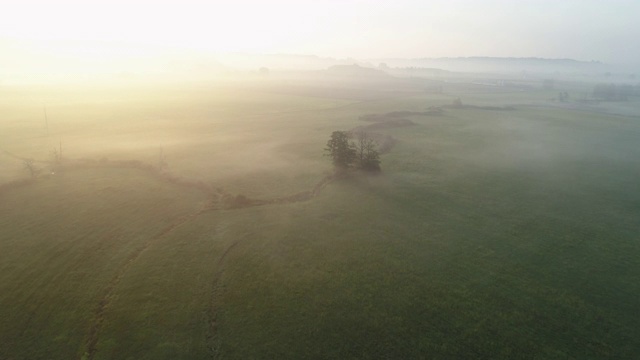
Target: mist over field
pixel 319 180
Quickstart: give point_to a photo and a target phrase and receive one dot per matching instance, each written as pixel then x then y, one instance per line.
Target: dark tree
pixel 342 153
pixel 366 153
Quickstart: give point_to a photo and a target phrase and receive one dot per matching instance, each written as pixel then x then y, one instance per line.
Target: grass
pixel 489 235
pixel 63 239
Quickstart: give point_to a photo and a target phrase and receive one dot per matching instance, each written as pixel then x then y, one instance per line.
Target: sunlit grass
pixel 489 234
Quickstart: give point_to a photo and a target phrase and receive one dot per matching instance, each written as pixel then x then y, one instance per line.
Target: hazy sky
pixel 114 30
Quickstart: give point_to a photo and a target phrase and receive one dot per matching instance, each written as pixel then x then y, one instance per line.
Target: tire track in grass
pixel 216 286
pixel 225 201
pixel 212 334
pixel 105 299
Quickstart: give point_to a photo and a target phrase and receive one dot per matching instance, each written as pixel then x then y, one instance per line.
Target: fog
pixel 72 41
pixel 319 179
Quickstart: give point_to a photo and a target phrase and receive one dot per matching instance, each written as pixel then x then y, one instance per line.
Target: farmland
pixel 506 228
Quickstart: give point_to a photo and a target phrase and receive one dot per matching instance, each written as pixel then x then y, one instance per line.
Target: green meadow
pixel 503 229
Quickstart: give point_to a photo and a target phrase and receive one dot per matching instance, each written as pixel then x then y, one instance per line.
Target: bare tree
pixel 362 140
pixel 29 165
pixel 366 152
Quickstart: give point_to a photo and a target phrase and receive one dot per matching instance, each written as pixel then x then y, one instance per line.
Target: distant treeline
pixel 399 114
pixel 615 92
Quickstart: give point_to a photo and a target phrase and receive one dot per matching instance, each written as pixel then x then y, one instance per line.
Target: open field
pixel 490 234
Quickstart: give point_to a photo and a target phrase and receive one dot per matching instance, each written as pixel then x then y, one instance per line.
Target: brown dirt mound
pixel 228 201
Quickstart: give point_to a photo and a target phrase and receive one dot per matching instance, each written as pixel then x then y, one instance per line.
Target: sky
pixel 89 33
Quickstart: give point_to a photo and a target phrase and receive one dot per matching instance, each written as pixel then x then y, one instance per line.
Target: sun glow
pixel 184 24
pixel 75 39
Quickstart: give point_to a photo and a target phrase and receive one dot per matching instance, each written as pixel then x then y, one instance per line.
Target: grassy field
pixel 490 234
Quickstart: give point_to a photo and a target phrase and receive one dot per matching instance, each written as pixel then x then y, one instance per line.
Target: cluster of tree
pixel 361 153
pixel 563 96
pixel 613 92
